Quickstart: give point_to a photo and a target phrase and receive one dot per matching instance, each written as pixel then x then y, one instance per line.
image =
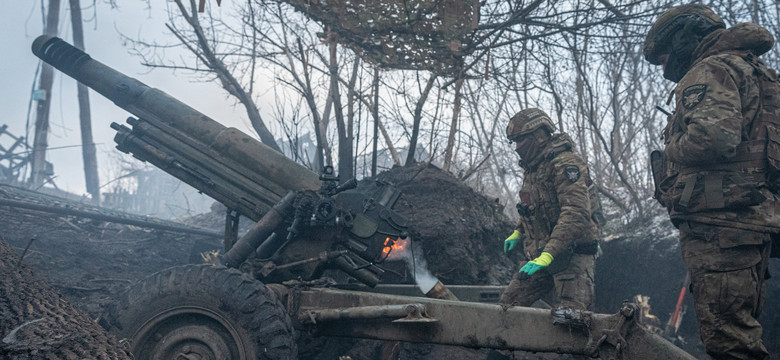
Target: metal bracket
pixel 614 335
pixel 231 228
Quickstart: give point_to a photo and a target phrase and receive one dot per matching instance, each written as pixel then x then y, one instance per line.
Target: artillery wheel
pixel 202 312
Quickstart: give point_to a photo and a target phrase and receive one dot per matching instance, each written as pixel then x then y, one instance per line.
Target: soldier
pixel 719 173
pixel 559 212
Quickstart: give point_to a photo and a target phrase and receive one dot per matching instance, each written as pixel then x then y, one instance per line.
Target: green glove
pixel 511 241
pixel 534 265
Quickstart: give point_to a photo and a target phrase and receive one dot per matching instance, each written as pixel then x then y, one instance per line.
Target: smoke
pixel 416 263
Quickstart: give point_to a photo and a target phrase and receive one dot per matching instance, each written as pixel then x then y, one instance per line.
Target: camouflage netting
pixel 400 34
pixel 37 323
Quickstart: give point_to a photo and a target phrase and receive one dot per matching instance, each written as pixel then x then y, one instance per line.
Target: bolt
pixel 186 349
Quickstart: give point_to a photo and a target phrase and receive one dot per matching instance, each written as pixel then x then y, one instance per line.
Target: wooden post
pixel 40 138
pixel 88 152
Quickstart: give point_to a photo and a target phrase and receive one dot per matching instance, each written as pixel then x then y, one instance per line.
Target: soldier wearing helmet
pixel 559 213
pixel 721 165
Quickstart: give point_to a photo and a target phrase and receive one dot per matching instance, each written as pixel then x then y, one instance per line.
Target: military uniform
pixel 722 146
pixel 556 216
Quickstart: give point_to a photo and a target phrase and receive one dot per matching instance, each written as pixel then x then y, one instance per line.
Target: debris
pixel 647 320
pixel 573 318
pixel 25 250
pixel 10 339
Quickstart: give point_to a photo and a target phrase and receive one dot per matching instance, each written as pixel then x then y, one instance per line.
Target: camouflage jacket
pixel 555 209
pixel 717 141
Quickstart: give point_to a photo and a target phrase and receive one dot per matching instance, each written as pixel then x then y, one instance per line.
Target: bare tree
pixel 203 43
pixel 579 60
pixel 417 117
pixel 448 153
pixel 345 138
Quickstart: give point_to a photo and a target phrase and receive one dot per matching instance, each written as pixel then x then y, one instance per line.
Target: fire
pixel 395 249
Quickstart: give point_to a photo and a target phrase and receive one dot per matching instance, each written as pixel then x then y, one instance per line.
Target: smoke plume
pixel 416 263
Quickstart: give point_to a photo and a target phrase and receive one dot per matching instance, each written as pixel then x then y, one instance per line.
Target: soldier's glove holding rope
pixel 511 241
pixel 535 265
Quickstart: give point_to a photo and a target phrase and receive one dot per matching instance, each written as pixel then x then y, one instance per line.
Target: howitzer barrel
pixel 255 177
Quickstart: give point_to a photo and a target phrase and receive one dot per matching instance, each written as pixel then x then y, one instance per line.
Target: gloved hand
pixel 534 265
pixel 511 241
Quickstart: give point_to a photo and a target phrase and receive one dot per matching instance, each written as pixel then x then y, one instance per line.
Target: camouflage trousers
pixel 728 267
pixel 573 286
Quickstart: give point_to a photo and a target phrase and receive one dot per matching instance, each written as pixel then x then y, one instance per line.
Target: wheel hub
pixel 191 343
pixel 187 334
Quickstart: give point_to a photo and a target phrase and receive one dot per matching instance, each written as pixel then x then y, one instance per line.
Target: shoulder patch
pixel 693 95
pixel 572 173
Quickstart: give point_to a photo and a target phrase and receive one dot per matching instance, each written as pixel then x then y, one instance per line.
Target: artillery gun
pixel 305 224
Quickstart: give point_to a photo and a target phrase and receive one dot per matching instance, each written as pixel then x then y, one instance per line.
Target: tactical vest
pixel 734 183
pixel 539 208
pixel 766 126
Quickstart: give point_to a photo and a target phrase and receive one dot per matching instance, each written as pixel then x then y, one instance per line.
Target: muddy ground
pixel 88 262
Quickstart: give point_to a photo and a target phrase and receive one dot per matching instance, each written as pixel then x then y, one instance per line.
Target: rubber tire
pixel 253 313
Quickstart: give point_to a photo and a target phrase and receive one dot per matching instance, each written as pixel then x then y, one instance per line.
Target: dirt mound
pixel 460 230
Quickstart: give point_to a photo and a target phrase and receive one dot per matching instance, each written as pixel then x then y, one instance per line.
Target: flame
pixel 395 249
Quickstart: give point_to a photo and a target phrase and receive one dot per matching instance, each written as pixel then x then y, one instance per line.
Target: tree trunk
pixel 417 118
pixel 345 143
pixel 308 94
pixel 390 147
pixel 351 113
pixel 388 141
pixel 41 142
pixel 453 125
pixel 375 110
pixel 88 152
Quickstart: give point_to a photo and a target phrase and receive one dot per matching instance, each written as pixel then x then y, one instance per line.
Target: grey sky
pixel 21 23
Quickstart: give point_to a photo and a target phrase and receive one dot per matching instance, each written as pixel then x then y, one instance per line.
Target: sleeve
pixel 708 121
pixel 522 210
pixel 522 225
pixel 519 227
pixel 571 175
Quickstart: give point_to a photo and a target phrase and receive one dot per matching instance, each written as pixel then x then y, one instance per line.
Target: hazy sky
pixel 21 22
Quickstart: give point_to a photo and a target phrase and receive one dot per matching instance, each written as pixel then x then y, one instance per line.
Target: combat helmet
pixel 691 17
pixel 526 121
